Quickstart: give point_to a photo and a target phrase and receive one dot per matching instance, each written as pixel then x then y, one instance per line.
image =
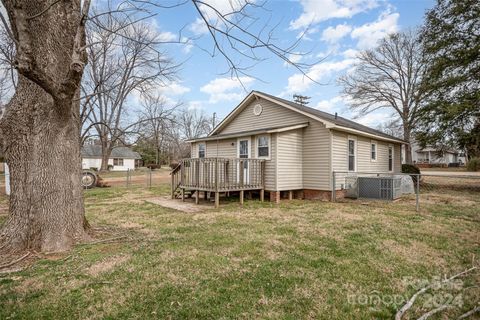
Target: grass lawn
pixel 299 259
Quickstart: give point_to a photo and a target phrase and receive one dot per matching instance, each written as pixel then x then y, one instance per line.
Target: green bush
pixel 413 170
pixel 473 164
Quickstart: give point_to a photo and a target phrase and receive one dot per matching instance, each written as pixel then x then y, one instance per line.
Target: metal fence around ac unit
pixel 410 188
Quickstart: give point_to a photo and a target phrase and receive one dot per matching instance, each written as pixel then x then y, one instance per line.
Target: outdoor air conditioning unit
pixel 384 188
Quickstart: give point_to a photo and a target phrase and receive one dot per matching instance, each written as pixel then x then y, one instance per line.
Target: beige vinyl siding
pixel 272 115
pixel 290 154
pixel 397 162
pixel 363 155
pixel 222 149
pixel 316 157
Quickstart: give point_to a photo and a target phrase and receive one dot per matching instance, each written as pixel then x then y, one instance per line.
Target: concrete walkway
pixel 188 206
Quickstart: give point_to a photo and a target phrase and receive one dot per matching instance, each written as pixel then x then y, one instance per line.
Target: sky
pixel 333 32
pixel 329 33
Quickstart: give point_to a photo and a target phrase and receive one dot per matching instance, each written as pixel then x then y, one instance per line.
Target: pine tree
pixel 451 46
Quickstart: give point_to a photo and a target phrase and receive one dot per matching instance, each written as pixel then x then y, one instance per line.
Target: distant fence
pixel 140 177
pixel 412 188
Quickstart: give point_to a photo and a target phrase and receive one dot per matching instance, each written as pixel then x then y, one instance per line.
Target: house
pixel 433 156
pixel 121 159
pixel 300 148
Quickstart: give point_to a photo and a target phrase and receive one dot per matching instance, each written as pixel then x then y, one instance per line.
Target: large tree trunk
pixel 40 129
pixel 408 147
pixel 43 152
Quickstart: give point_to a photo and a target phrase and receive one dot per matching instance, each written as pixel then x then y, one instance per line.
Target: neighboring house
pixel 121 159
pixel 301 146
pixel 431 155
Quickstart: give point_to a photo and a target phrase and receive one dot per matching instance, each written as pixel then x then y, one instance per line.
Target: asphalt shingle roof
pixel 331 118
pixel 95 151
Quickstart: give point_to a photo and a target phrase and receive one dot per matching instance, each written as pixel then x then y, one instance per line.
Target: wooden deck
pixel 218 175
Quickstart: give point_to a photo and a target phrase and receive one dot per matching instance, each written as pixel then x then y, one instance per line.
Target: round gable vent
pixel 257 109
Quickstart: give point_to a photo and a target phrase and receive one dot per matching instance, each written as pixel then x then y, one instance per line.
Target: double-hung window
pixel 263 146
pixel 351 155
pixel 390 158
pixel 117 162
pixel 373 151
pixel 201 150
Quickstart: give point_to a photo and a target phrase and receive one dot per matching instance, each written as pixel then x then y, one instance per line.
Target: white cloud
pixel 167 36
pixel 195 105
pixel 330 104
pixel 174 89
pixel 332 34
pixel 350 53
pixel 315 11
pixel 374 119
pixel 226 89
pixel 369 33
pixel 198 27
pixel 223 7
pixel 299 83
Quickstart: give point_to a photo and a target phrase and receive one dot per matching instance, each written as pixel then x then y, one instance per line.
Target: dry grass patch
pixel 107 265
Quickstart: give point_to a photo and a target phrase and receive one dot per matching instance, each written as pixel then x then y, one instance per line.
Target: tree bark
pixel 42 149
pixel 408 147
pixel 40 128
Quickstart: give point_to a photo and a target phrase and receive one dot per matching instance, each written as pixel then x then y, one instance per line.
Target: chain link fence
pixel 140 177
pixel 2 183
pixel 418 189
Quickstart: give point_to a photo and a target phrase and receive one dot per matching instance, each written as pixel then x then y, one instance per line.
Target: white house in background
pixel 431 155
pixel 121 159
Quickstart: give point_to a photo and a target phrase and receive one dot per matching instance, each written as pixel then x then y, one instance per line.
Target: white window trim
pixel 198 149
pixel 269 146
pixel 393 158
pixel 352 138
pixel 249 146
pixel 373 142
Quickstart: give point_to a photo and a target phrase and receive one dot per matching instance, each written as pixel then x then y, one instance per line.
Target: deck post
pixel 290 195
pixel 217 200
pixel 242 193
pixel 172 188
pixel 262 195
pixel 197 197
pixel 217 194
pixel 183 194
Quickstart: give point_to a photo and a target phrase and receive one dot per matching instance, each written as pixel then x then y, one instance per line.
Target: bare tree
pixel 8 75
pixel 40 128
pixel 122 63
pixel 388 77
pixel 194 123
pixel 158 123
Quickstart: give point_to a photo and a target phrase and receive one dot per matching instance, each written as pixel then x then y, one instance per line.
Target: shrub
pixel 153 166
pixel 110 167
pixel 94 168
pixel 473 164
pixel 413 170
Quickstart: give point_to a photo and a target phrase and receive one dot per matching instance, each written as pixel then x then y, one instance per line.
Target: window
pixel 390 158
pixel 117 162
pixel 201 150
pixel 351 155
pixel 373 152
pixel 263 147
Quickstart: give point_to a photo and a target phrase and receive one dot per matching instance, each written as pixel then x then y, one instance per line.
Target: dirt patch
pixel 179 205
pixel 107 265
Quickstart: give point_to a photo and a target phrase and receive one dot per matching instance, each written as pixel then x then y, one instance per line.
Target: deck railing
pixel 219 174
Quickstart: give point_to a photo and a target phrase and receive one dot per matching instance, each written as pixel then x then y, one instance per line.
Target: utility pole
pixel 303 100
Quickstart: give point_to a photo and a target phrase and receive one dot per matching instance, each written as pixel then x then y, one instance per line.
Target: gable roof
pixel 95 151
pixel 329 120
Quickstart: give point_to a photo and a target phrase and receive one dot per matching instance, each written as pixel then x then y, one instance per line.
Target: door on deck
pixel 244 153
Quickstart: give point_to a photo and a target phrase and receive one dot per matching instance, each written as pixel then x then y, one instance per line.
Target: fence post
pixel 334 184
pixel 150 177
pixel 128 173
pixel 417 200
